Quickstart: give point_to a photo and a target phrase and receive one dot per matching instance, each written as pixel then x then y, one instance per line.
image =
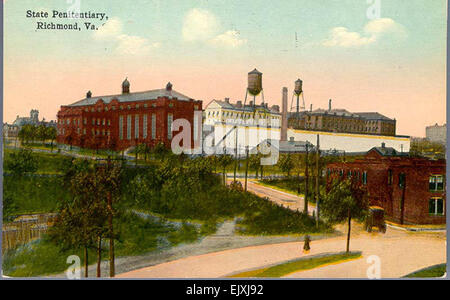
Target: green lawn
pixel 299 265
pixel 433 271
pixel 136 236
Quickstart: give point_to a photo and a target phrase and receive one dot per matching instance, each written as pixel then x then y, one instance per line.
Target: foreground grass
pixel 299 265
pixel 136 236
pixel 33 194
pixel 433 271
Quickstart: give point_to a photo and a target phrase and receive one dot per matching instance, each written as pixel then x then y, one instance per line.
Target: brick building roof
pixel 137 96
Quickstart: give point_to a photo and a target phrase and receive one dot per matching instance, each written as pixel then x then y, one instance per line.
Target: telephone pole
pixel 305 210
pixel 246 166
pixel 235 152
pixel 317 181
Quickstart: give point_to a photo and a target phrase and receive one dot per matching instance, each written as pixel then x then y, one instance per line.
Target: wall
pixel 349 142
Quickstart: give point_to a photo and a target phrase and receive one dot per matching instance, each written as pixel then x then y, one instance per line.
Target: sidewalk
pixel 417 227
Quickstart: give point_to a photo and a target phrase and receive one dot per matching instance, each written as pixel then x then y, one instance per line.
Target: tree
pixel 109 185
pixel 286 163
pixel 27 133
pixel 160 150
pixel 255 163
pixel 21 162
pixel 81 220
pixel 143 149
pixel 50 134
pixel 41 133
pixel 343 201
pixel 224 161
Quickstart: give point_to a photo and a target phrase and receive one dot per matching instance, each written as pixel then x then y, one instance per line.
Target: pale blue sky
pixel 406 48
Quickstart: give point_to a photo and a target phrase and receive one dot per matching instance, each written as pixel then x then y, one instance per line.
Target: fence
pixel 25 229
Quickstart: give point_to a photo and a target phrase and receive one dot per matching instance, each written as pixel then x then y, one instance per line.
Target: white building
pixel 436 133
pixel 224 112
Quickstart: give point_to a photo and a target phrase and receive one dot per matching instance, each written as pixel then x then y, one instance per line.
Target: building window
pixel 98 121
pixel 436 183
pixel 93 121
pixel 153 126
pixel 169 126
pixel 129 127
pixel 144 127
pixel 196 127
pixel 364 177
pixel 85 121
pixel 436 206
pixel 121 127
pixel 84 130
pixel 137 106
pixel 109 122
pixel 136 126
pixel 390 177
pixel 401 180
pixel 104 122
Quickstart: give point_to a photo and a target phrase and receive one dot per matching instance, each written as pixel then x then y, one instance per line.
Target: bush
pixel 21 162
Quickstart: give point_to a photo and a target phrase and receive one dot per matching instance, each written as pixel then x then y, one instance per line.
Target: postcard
pixel 224 140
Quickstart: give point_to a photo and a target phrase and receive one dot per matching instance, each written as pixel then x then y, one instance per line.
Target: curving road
pixel 398 252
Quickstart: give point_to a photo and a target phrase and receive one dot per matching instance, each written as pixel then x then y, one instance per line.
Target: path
pixel 400 253
pixel 224 238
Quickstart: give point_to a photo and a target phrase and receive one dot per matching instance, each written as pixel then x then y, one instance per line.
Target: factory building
pixel 128 119
pixel 341 120
pixel 410 190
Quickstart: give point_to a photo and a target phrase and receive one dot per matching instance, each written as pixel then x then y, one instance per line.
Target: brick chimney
pixel 284 120
pixel 227 100
pixel 239 103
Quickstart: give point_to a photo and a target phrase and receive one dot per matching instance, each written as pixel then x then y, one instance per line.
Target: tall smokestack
pixel 284 120
pixel 329 104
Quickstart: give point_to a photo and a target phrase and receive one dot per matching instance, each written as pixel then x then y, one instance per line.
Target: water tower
pixel 254 87
pixel 298 91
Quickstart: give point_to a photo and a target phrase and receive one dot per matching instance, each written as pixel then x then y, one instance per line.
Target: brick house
pixel 121 121
pixel 411 190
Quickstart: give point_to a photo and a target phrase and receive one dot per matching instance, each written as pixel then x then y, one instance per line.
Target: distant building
pixel 33 119
pixel 341 120
pixel 286 147
pixel 12 130
pixel 436 133
pixel 410 190
pixel 121 121
pixel 224 112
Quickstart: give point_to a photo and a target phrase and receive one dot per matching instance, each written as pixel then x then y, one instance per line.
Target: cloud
pixel 126 44
pixel 134 45
pixel 110 29
pixel 228 39
pixel 373 31
pixel 199 25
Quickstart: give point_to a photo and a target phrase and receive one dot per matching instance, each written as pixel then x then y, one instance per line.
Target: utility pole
pixel 305 210
pixel 402 205
pixel 246 167
pixel 317 182
pixel 235 152
pixel 111 231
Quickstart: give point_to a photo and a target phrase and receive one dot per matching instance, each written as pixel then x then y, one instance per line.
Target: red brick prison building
pixel 411 190
pixel 125 120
